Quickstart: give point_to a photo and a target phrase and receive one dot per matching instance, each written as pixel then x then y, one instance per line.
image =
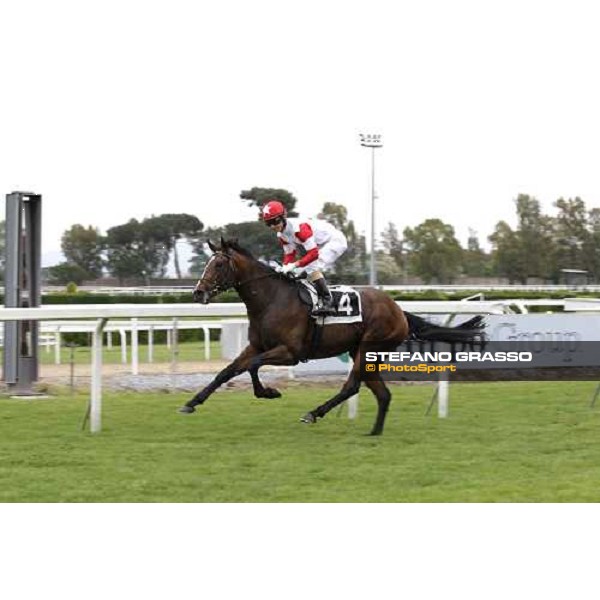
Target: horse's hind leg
pixel 350 388
pixel 383 395
pixel 259 390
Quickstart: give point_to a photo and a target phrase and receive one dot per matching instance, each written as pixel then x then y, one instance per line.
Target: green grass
pixel 505 442
pixel 187 351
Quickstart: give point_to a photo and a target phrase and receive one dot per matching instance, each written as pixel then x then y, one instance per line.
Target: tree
pixel 435 254
pixel 572 236
pixel 252 235
pixel 123 259
pixel 506 253
pixel 65 273
pixel 2 248
pixel 394 247
pixel 535 236
pixel 475 260
pixel 389 271
pixel 138 250
pixel 351 266
pixel 592 247
pixel 337 215
pixel 198 259
pixel 528 251
pixel 83 246
pixel 174 227
pixel 258 196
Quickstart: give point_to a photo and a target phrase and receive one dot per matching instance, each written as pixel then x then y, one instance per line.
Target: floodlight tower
pixel 22 289
pixel 372 141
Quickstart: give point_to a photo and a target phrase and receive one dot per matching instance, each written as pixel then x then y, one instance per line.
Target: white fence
pixel 101 313
pixel 132 327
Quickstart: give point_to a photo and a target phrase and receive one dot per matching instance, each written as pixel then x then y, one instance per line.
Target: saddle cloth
pixel 345 299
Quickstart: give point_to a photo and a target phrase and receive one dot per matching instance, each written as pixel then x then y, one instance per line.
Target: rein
pixel 264 276
pixel 225 286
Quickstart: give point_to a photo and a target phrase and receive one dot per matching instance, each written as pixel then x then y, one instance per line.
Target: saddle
pixel 346 301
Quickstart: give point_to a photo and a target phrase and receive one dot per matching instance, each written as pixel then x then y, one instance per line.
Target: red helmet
pixel 272 210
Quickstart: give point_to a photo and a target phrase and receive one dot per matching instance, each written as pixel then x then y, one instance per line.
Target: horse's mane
pixel 234 245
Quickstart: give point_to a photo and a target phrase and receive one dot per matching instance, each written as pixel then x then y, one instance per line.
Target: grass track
pixel 503 442
pixel 187 351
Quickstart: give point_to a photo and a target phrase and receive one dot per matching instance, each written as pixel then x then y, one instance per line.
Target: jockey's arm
pixel 289 253
pixel 307 239
pixel 289 257
pixel 310 256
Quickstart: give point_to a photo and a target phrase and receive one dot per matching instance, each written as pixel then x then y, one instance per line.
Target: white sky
pixel 114 110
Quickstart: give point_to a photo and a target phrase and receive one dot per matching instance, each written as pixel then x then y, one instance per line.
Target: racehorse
pixel 282 331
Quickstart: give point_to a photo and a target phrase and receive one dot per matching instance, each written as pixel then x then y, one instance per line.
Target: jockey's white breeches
pixel 328 254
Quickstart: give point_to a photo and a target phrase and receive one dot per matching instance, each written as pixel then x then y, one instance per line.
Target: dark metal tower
pixel 22 288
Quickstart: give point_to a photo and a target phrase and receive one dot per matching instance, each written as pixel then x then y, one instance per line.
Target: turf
pixel 504 442
pixel 186 351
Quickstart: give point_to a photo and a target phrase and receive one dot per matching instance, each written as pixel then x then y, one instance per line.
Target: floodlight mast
pixel 372 141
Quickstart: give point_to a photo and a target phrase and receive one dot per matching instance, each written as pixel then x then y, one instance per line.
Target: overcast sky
pixel 119 110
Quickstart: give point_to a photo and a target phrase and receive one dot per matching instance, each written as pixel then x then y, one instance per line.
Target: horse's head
pixel 219 273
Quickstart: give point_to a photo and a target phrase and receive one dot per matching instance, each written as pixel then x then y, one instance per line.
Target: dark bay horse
pixel 281 329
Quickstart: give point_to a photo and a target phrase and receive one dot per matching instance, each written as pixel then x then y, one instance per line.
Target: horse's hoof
pixel 186 410
pixel 308 418
pixel 270 393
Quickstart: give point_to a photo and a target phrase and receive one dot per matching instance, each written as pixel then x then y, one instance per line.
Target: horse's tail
pixel 421 329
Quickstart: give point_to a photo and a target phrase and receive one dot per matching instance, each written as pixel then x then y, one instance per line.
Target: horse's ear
pixel 211 246
pixel 223 244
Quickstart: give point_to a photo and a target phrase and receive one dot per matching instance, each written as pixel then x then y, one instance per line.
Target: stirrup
pixel 326 309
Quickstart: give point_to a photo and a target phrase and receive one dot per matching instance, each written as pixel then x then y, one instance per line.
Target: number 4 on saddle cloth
pixel 346 301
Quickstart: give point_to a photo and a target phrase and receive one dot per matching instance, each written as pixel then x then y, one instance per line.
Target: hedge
pixel 232 296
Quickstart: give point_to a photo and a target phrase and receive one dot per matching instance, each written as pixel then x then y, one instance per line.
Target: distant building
pixel 574 277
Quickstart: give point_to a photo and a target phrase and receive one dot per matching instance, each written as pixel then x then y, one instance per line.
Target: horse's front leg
pixel 250 359
pixel 260 391
pixel 237 367
pixel 280 355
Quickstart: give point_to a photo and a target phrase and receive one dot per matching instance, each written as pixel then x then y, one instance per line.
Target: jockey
pixel 322 242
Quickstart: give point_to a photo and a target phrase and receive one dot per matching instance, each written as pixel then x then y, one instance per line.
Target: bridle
pixel 217 288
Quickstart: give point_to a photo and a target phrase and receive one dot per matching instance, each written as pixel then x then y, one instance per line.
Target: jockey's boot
pixel 327 308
